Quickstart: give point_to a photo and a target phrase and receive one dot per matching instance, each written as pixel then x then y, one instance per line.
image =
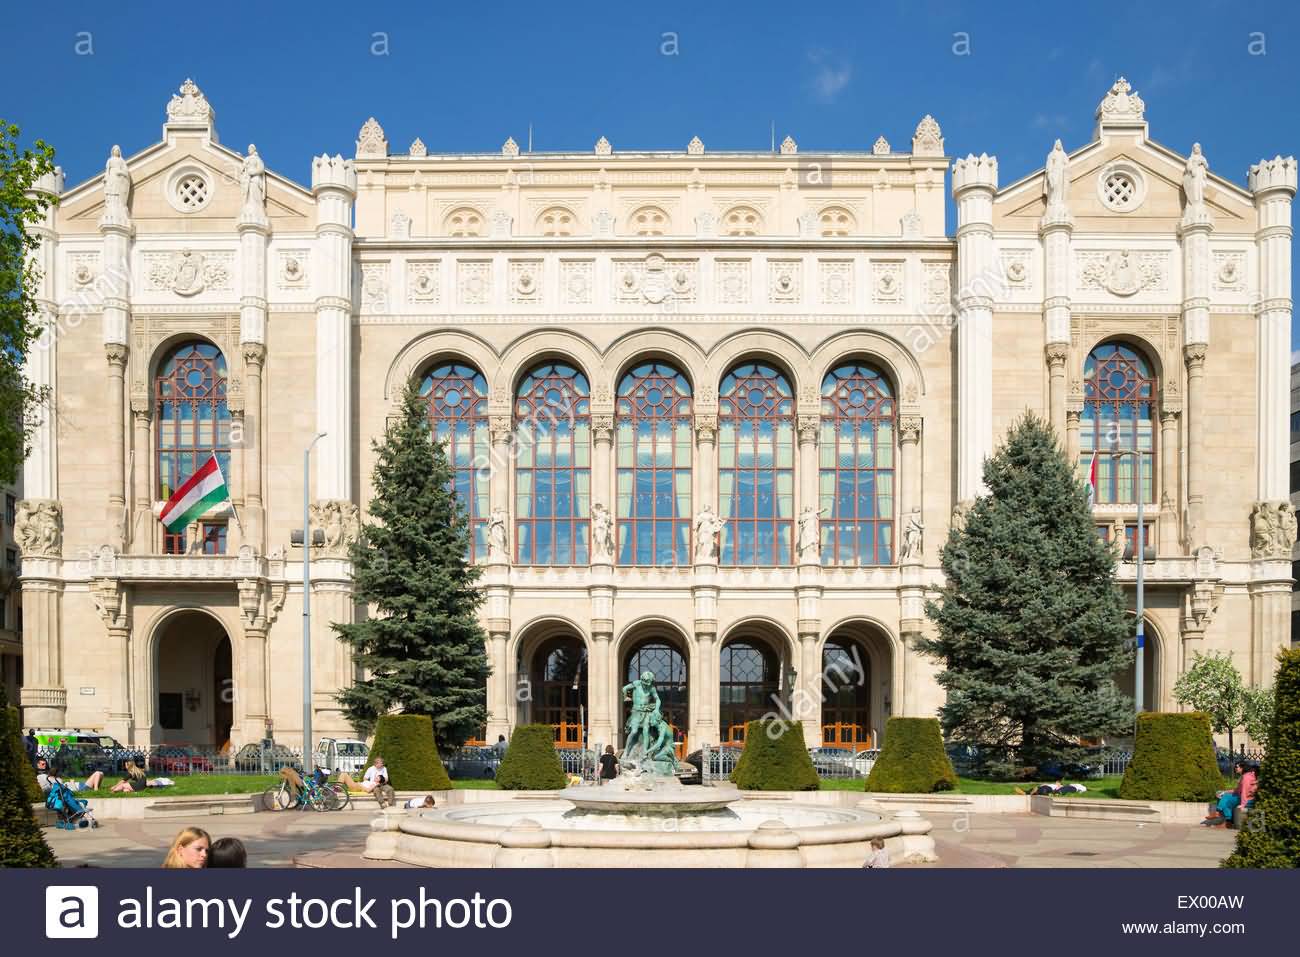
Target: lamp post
pixel 307 758
pixel 1139 556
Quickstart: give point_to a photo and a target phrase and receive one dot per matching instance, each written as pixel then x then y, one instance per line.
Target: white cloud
pixel 831 74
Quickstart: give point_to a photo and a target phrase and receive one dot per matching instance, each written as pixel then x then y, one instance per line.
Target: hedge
pixel 405 742
pixel 21 842
pixel 531 763
pixel 775 758
pixel 1271 837
pixel 913 760
pixel 26 773
pixel 1173 759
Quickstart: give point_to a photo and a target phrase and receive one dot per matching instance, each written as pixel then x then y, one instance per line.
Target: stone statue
pixel 707 526
pixel 498 549
pixel 37 528
pixel 912 536
pixel 117 187
pixel 1286 529
pixel 602 533
pixel 1057 182
pixel 340 523
pixel 1194 175
pixel 810 532
pixel 1263 530
pixel 252 184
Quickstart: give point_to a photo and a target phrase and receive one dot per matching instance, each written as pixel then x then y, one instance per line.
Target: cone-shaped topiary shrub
pixel 21 842
pixel 405 742
pixel 913 760
pixel 774 758
pixel 1173 759
pixel 22 766
pixel 1271 837
pixel 531 763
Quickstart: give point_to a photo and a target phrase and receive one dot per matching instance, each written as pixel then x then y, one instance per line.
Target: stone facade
pixel 323 301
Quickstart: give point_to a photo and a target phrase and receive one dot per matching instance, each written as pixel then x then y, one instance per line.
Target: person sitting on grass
pixel 133 779
pixel 374 781
pixel 45 776
pixel 1243 795
pixel 227 852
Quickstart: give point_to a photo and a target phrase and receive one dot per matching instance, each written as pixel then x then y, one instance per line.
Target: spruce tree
pixel 21 842
pixel 1032 628
pixel 422 646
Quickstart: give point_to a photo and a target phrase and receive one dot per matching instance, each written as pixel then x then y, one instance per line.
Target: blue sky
pixel 1002 78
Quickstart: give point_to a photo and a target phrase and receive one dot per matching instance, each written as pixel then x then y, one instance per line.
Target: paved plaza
pixel 976 840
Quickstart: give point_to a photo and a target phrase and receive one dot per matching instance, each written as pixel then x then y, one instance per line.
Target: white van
pixel 341 754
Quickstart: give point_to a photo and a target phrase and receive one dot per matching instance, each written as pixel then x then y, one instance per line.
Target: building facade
pixel 711 413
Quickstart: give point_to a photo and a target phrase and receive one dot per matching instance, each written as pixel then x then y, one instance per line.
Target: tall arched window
pixel 857 467
pixel 654 466
pixel 1119 415
pixel 458 418
pixel 552 466
pixel 665 661
pixel 192 423
pixel 756 465
pixel 749 685
pixel 560 689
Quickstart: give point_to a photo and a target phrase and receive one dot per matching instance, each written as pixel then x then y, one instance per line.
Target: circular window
pixel 189 190
pixel 1120 188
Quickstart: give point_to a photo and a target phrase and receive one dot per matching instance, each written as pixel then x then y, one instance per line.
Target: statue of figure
pixel 497 547
pixel 1263 530
pixel 707 526
pixel 1286 529
pixel 1057 182
pixel 117 185
pixel 645 716
pixel 809 531
pixel 252 182
pixel 1194 175
pixel 912 534
pixel 602 532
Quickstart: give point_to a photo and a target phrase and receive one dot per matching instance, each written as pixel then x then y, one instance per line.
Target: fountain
pixel 646 818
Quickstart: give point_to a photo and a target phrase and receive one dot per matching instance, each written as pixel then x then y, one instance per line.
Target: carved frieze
pixel 38 528
pixel 341 522
pixel 1122 272
pixel 189 272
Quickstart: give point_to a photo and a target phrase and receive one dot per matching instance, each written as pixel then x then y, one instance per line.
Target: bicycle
pixel 329 796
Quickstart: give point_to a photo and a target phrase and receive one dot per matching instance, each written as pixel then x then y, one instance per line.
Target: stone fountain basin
pixel 545 832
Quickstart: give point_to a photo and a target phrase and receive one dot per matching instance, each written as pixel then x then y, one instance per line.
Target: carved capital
pixel 1194 354
pixel 254 354
pixel 501 427
pixel 1057 354
pixel 706 428
pixel 909 428
pixel 1072 417
pixel 809 425
pixel 602 428
pixel 1169 418
pixel 116 353
pixel 141 407
pixel 38 528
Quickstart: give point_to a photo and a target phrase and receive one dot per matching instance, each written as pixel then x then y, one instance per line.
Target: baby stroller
pixel 71 811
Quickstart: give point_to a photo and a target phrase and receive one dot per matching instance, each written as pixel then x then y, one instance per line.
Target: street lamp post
pixel 1139 556
pixel 307 757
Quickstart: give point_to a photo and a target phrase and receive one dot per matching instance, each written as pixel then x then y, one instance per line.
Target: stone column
pixel 1274 184
pixel 1072 434
pixel 117 438
pixel 502 436
pixel 1057 355
pixel 706 461
pixel 334 184
pixel 1169 537
pixel 44 698
pixel 254 516
pixel 1194 530
pixel 974 181
pixel 1194 231
pixel 910 481
pixel 143 523
pixel 500 714
pixel 806 702
pixel 602 466
pixel 602 715
pixel 806 491
pixel 704 725
pixel 1055 231
pixel 253 684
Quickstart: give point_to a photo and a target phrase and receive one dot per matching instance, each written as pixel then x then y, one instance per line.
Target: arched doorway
pixel 559 685
pixel 749 684
pixel 194 682
pixel 1126 680
pixel 663 658
pixel 857 686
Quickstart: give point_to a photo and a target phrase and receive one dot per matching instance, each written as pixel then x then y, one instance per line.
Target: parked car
pixel 721 760
pixel 342 754
pixel 250 759
pixel 1056 770
pixel 832 761
pixel 178 759
pixel 474 762
pixel 86 754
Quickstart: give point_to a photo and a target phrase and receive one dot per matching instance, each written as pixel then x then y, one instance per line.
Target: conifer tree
pixel 422 646
pixel 21 842
pixel 1032 628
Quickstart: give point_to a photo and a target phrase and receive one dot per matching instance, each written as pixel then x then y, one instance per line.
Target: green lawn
pixel 207 784
pixel 475 784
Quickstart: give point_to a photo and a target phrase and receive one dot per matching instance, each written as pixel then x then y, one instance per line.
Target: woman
pixel 608 764
pixel 1242 795
pixel 133 779
pixel 189 850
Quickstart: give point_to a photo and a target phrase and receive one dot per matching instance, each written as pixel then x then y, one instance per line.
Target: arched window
pixel 560 689
pixel 857 467
pixel 654 466
pixel 458 418
pixel 555 221
pixel 1119 416
pixel 663 660
pixel 552 466
pixel 191 424
pixel 464 221
pixel 648 221
pixel 836 221
pixel 756 465
pixel 846 695
pixel 749 685
pixel 742 221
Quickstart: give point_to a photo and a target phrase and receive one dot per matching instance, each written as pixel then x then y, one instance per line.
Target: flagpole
pixel 233 511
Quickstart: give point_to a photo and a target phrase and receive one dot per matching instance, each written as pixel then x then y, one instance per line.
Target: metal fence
pixel 79 760
pixel 716 764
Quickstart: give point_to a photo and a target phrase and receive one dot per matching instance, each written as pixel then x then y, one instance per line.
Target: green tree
pixel 1271 837
pixel 1260 703
pixel 422 646
pixel 21 842
pixel 1213 685
pixel 1031 625
pixel 20 319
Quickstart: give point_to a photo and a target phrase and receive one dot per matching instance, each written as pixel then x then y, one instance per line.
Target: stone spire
pixel 371 143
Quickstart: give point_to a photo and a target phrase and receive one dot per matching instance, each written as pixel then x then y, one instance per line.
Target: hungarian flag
pixel 196 495
pixel 1092 480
